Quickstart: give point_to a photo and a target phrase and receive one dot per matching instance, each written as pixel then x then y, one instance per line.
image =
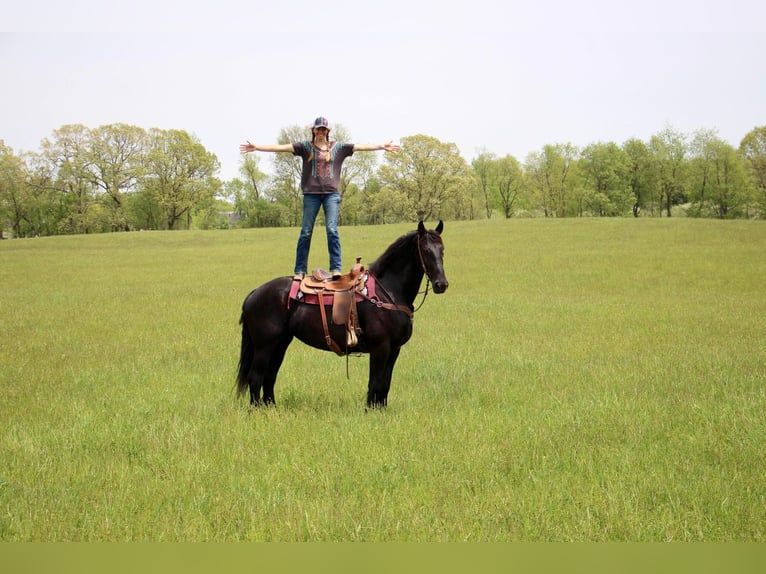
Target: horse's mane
pixel 392 253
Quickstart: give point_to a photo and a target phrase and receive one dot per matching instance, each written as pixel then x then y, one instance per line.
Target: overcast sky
pixel 503 76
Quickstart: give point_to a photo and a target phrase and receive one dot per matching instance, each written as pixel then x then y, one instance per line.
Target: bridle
pixel 393 306
pixel 425 272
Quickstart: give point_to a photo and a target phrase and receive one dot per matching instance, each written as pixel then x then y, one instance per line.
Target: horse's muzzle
pixel 440 286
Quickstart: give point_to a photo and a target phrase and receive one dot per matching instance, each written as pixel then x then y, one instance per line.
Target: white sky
pixel 501 75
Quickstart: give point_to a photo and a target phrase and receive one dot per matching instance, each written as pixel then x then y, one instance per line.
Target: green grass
pixel 580 380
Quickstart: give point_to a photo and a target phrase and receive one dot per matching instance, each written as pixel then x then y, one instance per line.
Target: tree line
pixel 112 178
pixel 119 177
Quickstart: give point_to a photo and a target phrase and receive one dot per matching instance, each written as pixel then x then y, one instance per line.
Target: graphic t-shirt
pixel 321 169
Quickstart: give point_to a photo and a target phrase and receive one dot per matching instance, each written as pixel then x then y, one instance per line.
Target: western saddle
pixel 343 291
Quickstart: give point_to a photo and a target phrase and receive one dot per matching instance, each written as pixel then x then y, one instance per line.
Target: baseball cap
pixel 321 122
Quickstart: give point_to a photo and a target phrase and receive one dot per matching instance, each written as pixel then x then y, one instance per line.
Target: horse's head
pixel 431 250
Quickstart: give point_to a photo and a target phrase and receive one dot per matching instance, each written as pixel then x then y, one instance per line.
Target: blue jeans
pixel 311 203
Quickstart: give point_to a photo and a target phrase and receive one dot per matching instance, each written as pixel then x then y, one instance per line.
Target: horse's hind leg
pixel 265 338
pixel 267 359
pixel 272 362
pixel 258 381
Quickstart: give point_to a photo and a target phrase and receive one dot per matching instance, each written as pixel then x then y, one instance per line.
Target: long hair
pixel 329 146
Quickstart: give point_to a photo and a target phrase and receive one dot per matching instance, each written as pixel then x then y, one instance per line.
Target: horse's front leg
pixel 381 369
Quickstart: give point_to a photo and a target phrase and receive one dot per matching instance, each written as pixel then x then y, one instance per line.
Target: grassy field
pixel 595 379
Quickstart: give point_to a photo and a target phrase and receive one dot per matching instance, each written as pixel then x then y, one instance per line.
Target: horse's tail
pixel 246 354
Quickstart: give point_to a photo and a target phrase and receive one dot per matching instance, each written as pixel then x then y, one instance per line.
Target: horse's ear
pixel 421 228
pixel 440 227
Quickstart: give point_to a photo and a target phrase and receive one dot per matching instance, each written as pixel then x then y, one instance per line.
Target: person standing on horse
pixel 322 162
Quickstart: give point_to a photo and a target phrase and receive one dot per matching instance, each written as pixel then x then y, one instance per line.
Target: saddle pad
pixel 368 289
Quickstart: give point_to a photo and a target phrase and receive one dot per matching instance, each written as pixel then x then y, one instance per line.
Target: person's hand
pixel 246 147
pixel 391 147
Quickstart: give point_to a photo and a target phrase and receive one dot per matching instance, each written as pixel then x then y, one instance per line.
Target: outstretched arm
pixel 247 147
pixel 389 147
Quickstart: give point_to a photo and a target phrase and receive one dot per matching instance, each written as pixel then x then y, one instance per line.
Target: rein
pixel 383 305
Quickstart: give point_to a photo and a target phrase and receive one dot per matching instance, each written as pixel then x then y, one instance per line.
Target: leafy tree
pixel 14 203
pixel 180 174
pixel 534 181
pixel 509 183
pixel 425 176
pixel 703 152
pixel 44 209
pixel 638 165
pixel 500 181
pixel 248 194
pixel 69 174
pixel 483 171
pixel 114 160
pixel 242 198
pixel 563 159
pixel 252 176
pixel 387 205
pixel 552 175
pixel 142 209
pixel 669 150
pixel 730 191
pixel 603 168
pixel 717 176
pixel 358 170
pixel 753 149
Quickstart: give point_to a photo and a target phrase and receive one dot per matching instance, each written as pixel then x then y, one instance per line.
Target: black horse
pixel 270 318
